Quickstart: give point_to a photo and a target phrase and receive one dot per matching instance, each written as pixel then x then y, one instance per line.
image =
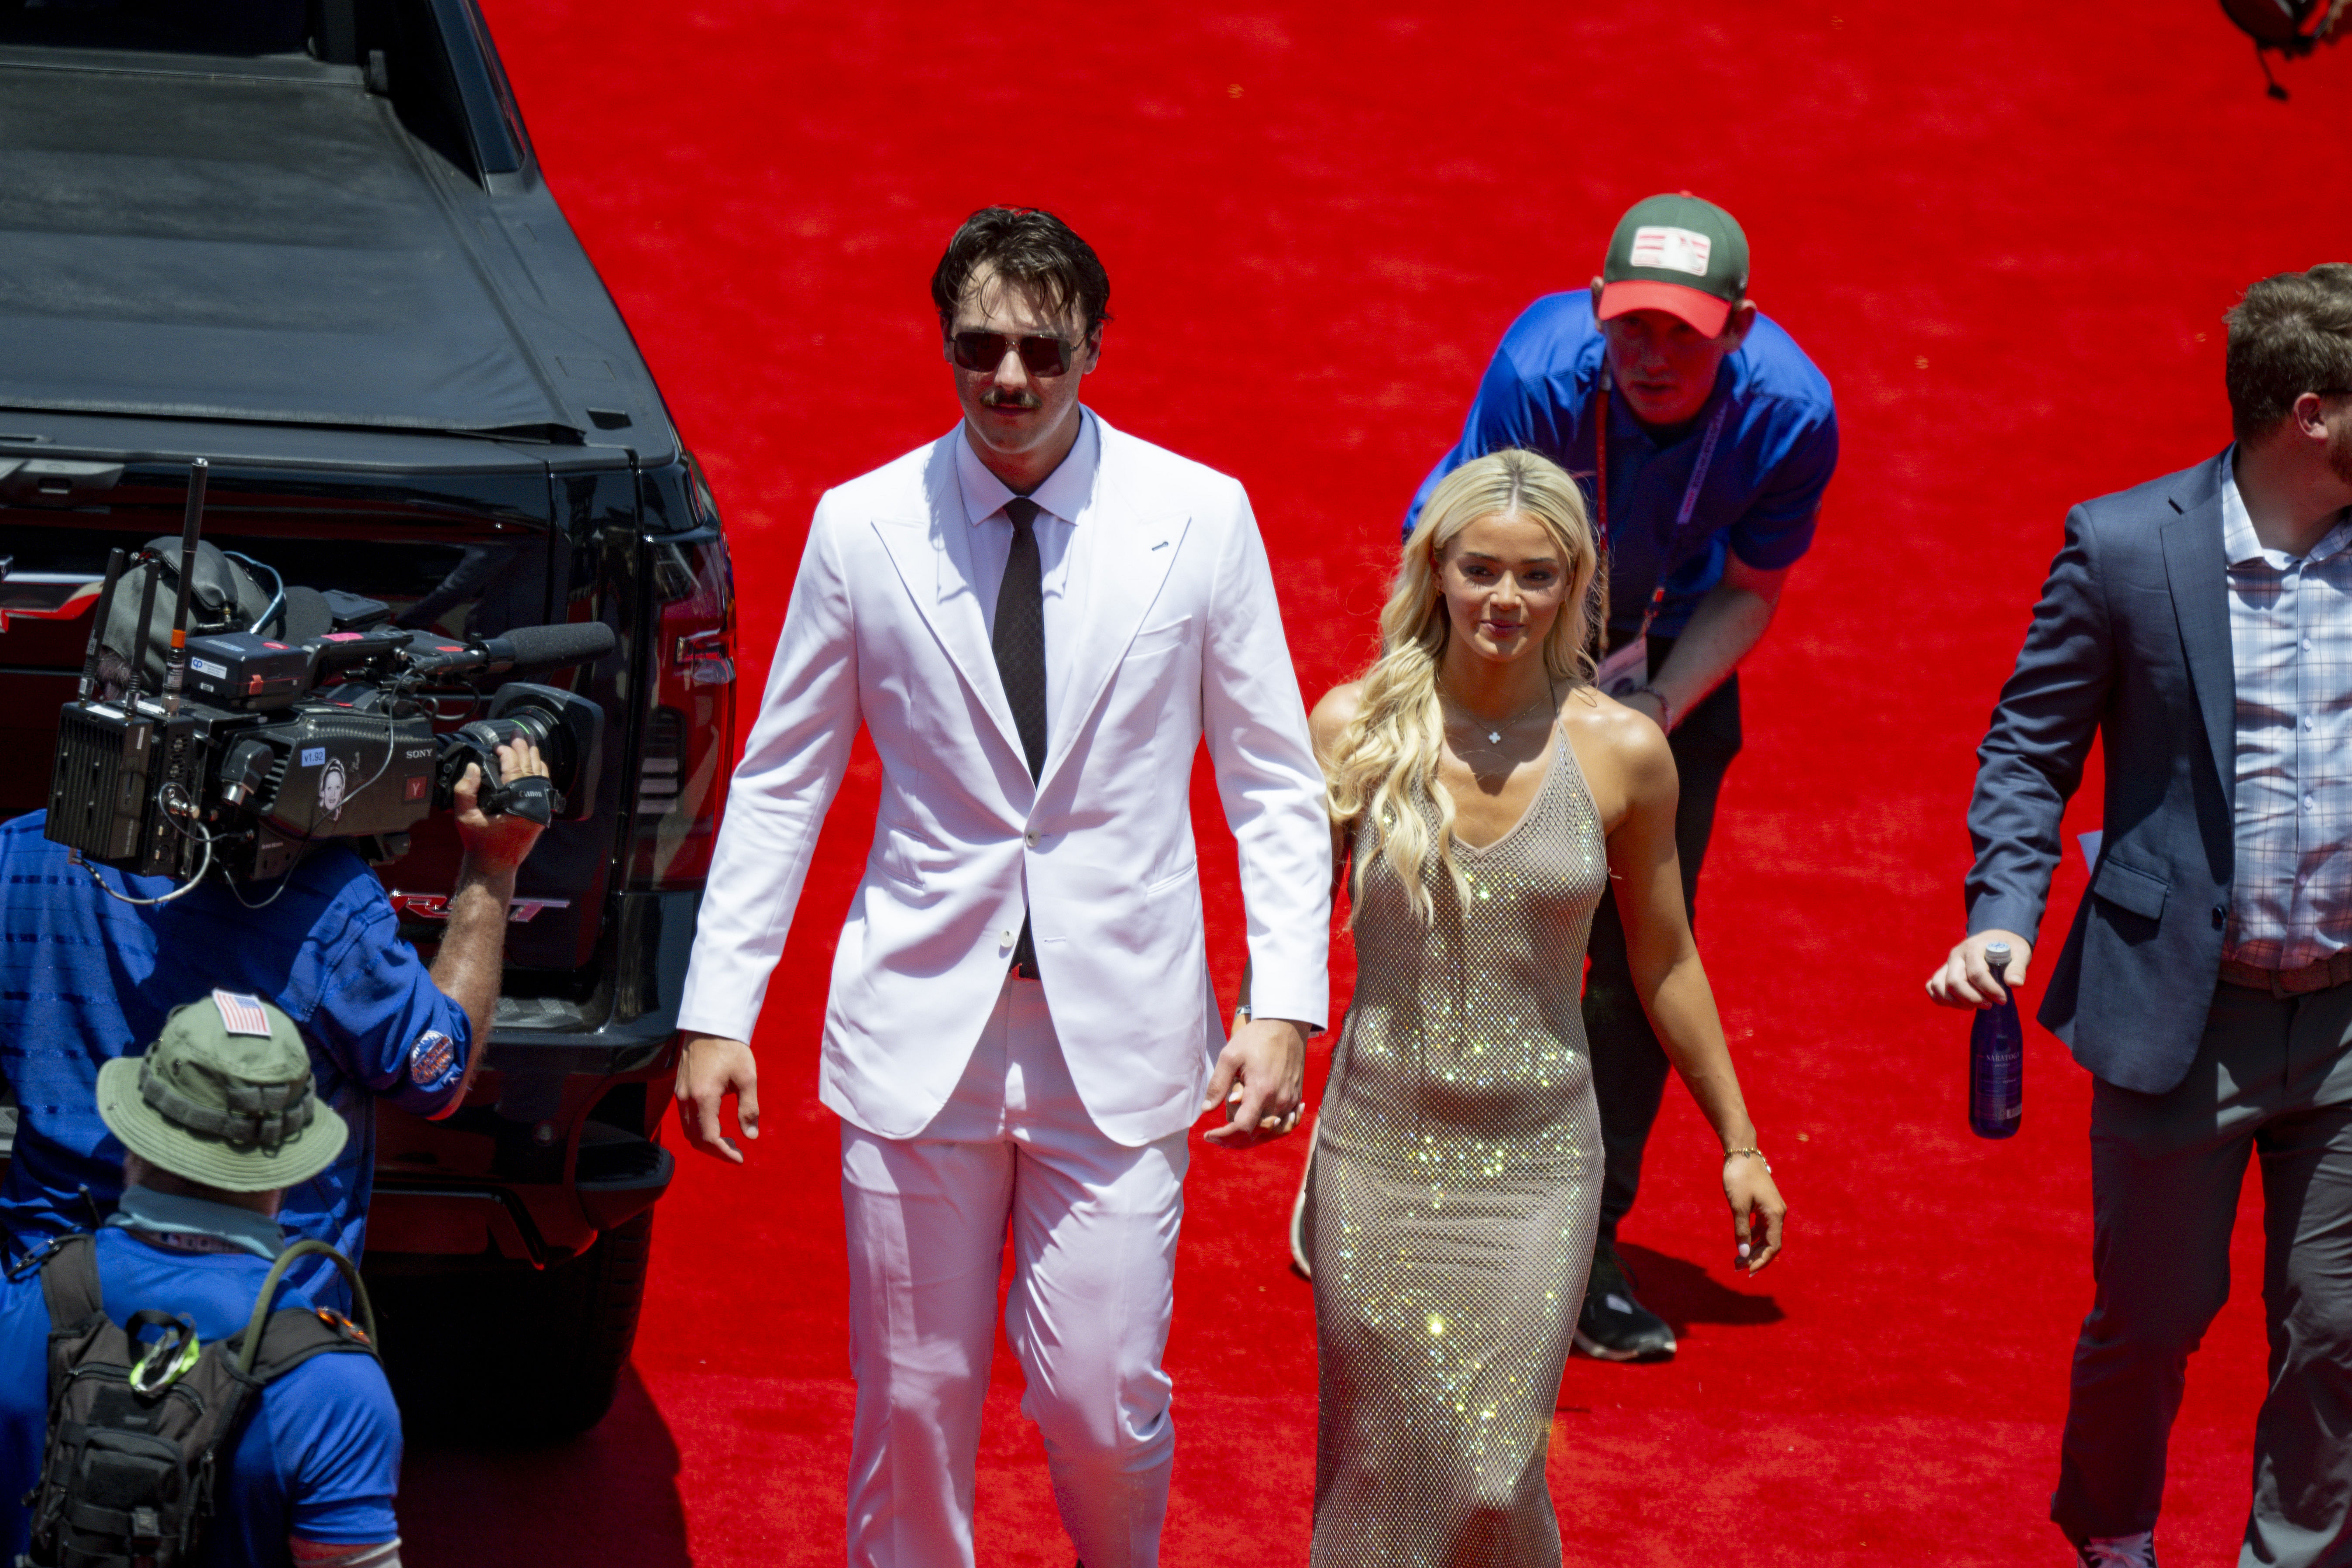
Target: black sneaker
pixel 1613 1326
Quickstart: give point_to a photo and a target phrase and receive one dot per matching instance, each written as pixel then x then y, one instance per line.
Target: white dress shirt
pixel 2291 649
pixel 1060 500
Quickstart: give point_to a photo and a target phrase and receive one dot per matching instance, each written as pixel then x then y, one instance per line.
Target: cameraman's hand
pixel 497 844
pixel 709 1068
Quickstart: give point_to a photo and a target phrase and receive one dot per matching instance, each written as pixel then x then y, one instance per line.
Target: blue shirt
pixel 84 978
pixel 320 1457
pixel 1763 486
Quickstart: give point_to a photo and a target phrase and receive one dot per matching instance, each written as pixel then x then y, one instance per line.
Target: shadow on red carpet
pixel 1685 1294
pixel 610 1496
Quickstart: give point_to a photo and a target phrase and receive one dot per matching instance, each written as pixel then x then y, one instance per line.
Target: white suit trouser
pixel 1094 1228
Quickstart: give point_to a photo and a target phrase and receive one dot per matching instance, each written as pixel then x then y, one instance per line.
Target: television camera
pixel 283 718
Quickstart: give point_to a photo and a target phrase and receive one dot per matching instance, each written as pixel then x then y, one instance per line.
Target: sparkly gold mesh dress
pixel 1455 1195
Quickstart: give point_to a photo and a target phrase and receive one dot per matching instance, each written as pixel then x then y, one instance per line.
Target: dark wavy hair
pixel 2291 334
pixel 1032 248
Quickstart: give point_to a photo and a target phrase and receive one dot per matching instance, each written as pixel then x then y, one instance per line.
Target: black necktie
pixel 1020 647
pixel 1020 638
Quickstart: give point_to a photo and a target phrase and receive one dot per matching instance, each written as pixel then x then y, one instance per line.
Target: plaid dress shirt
pixel 2291 645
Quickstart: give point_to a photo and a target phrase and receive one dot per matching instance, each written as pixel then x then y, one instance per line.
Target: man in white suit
pixel 1039 619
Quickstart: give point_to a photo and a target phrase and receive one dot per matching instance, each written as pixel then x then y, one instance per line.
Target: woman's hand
pixel 1748 1184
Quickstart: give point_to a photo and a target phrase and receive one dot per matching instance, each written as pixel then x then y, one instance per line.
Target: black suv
pixel 308 241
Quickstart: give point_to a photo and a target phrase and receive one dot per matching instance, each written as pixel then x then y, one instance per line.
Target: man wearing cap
pixel 87 975
pixel 1705 438
pixel 219 1118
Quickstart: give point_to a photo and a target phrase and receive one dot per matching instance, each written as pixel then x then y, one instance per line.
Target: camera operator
pixel 87 977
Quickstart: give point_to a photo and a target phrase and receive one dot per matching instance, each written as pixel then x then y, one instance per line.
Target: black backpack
pixel 139 1433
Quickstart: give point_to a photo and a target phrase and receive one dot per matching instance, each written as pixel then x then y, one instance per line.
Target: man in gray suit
pixel 2201 625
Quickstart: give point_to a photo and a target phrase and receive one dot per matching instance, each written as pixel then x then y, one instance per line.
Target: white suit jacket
pixel 1181 642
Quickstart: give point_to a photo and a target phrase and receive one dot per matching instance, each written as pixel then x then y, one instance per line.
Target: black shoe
pixel 2125 1552
pixel 1613 1326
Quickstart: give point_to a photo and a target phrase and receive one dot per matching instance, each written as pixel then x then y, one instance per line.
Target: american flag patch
pixel 240 1014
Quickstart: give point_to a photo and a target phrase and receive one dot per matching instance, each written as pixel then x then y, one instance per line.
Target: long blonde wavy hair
pixel 1386 760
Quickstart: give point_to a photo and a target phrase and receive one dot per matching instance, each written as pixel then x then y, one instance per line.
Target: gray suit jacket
pixel 2130 642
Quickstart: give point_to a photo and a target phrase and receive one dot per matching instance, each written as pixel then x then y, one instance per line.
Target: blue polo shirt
pixel 1762 489
pixel 84 978
pixel 318 1459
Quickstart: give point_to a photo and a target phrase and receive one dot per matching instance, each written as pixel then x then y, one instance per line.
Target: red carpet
pixel 2005 231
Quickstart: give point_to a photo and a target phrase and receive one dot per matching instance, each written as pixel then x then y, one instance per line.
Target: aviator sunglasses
pixel 986 351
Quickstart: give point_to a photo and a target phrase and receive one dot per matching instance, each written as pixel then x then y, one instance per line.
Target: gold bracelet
pixel 1728 1154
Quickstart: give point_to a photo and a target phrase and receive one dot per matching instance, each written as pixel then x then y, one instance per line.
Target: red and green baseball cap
pixel 1679 255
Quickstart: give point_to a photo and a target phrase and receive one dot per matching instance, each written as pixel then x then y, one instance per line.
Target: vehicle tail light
pixel 689 733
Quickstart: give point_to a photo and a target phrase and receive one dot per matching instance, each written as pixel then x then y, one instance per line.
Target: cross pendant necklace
pixel 1495 733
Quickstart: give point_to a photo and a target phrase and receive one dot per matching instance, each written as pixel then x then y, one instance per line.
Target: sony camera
pixel 279 718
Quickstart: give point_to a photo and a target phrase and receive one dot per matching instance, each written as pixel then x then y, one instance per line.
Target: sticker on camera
pixel 332 786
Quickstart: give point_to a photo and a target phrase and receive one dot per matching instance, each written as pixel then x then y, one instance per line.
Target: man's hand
pixel 497 844
pixel 1966 979
pixel 1261 1079
pixel 709 1068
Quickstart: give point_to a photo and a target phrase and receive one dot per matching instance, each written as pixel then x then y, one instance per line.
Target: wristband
pixel 1729 1154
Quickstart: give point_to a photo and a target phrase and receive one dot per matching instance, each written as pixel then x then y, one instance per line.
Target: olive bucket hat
pixel 224 1097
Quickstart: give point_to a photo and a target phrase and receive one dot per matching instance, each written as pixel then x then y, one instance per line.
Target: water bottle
pixel 1996 1058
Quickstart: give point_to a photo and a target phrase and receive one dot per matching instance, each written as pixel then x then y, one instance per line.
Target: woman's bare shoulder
pixel 1333 714
pixel 1622 741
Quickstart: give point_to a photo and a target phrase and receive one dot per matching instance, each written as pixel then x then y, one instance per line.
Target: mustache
pixel 993 398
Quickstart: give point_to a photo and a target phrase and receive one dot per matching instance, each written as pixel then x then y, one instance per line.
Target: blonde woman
pixel 1488 796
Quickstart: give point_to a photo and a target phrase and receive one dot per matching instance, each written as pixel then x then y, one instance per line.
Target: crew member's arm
pixel 472 960
pixel 1255 729
pixel 792 763
pixel 1761 547
pixel 1672 982
pixel 1725 626
pixel 412 1035
pixel 2030 765
pixel 334 1433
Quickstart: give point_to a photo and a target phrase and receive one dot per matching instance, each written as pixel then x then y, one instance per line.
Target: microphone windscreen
pixel 307 615
pixel 549 647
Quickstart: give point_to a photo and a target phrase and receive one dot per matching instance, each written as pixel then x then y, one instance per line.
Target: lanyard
pixel 1681 514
